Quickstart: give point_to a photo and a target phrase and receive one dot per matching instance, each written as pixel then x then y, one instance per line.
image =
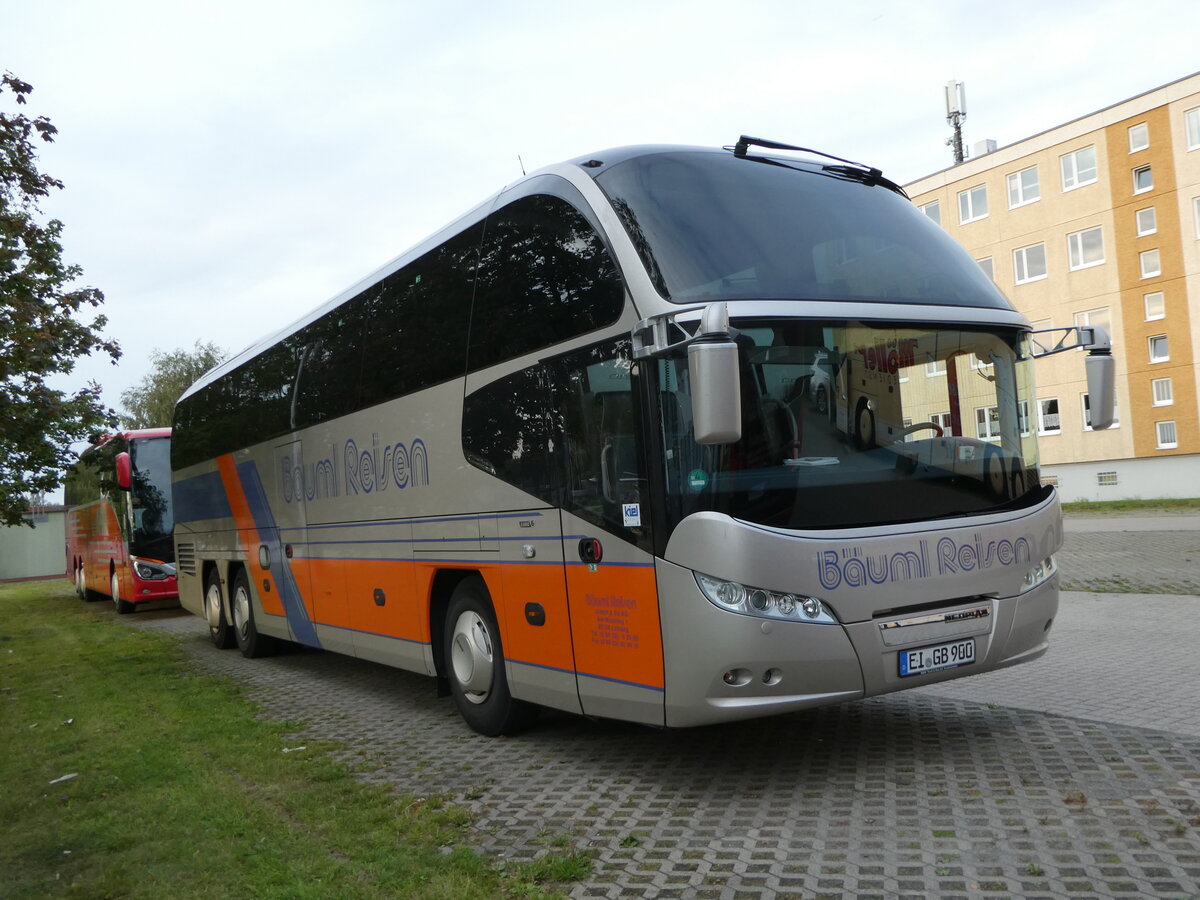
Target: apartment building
pixel 1098 222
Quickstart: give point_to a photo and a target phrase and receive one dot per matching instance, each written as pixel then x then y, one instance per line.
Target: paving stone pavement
pixel 1042 781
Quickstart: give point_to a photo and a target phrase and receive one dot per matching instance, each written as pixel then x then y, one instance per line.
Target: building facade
pixel 1098 222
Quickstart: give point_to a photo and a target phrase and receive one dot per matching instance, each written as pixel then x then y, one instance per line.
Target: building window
pixel 1159 351
pixel 1048 418
pixel 942 420
pixel 972 204
pixel 1143 180
pixel 1108 479
pixel 1139 137
pixel 1151 265
pixel 935 368
pixel 934 211
pixel 1078 168
pixel 1023 187
pixel 1087 413
pixel 1156 306
pixel 1086 248
pixel 1147 221
pixel 1166 435
pixel 1191 122
pixel 987 422
pixel 1029 263
pixel 1164 395
pixel 986 266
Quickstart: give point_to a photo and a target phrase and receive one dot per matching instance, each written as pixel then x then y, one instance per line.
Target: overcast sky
pixel 231 165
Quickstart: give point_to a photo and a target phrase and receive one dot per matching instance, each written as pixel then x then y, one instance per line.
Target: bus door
pixel 610 579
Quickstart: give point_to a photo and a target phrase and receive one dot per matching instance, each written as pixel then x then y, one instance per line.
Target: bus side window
pixel 545 276
pixel 331 366
pixel 505 432
pixel 417 321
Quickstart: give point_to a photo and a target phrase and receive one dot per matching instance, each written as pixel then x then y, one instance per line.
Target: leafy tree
pixel 151 402
pixel 41 335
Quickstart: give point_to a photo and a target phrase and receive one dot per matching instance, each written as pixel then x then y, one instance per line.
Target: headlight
pixel 152 571
pixel 1041 572
pixel 754 601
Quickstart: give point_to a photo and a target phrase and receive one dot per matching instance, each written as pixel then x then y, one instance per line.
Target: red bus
pixel 119 520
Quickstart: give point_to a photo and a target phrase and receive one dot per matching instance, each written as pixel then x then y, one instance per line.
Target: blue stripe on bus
pixel 200 497
pixel 268 533
pixel 648 687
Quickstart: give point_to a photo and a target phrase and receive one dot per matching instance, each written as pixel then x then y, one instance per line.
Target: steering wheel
pixel 917 426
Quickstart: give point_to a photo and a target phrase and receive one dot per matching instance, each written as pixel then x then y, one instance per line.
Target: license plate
pixel 933 659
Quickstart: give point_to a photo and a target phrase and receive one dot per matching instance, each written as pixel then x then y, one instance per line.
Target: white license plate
pixel 924 660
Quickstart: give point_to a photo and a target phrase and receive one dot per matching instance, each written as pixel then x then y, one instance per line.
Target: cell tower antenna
pixel 956 111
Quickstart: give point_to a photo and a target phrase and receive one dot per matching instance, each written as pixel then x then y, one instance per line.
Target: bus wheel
pixel 474 662
pixel 995 476
pixel 249 641
pixel 219 629
pixel 822 401
pixel 122 606
pixel 864 426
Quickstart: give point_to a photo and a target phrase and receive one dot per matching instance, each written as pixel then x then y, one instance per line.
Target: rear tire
pixel 123 607
pixel 249 641
pixel 474 660
pixel 864 426
pixel 219 629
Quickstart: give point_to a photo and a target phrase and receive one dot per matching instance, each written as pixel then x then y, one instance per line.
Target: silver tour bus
pixel 669 435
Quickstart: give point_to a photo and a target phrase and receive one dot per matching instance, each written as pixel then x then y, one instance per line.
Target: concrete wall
pixel 1164 478
pixel 38 552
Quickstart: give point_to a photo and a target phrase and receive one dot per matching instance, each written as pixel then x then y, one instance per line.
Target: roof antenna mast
pixel 956 111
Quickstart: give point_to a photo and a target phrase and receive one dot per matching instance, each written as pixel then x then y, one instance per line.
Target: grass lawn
pixel 1150 506
pixel 127 774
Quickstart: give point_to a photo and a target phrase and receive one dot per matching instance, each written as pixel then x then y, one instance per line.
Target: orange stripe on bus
pixel 249 537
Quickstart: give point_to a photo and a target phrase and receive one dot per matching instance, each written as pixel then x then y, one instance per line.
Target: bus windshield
pixel 150 497
pixel 849 424
pixel 711 226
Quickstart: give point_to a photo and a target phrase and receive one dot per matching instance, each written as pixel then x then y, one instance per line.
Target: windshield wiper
pixel 851 170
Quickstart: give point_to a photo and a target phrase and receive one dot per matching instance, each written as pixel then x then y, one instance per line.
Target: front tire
pixel 474 660
pixel 123 607
pixel 249 641
pixel 219 629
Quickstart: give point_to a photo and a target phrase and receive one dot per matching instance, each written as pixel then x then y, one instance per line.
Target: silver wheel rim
pixel 115 587
pixel 472 657
pixel 241 611
pixel 212 607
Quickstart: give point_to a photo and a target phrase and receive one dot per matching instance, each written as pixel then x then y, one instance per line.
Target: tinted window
pixel 416 324
pixel 711 226
pixel 331 365
pixel 544 276
pixel 506 432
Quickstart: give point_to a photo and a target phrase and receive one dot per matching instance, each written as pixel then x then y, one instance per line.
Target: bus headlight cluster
pixel 754 601
pixel 152 571
pixel 1041 572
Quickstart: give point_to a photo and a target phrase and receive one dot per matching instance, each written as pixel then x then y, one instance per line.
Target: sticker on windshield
pixel 631 514
pixel 697 479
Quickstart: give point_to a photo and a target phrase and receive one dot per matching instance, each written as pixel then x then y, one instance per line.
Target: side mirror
pixel 1101 380
pixel 124 471
pixel 716 383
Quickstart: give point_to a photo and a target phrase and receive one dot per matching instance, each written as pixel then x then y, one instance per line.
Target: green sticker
pixel 697 479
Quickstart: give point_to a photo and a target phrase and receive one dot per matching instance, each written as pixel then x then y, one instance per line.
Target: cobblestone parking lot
pixel 1074 776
